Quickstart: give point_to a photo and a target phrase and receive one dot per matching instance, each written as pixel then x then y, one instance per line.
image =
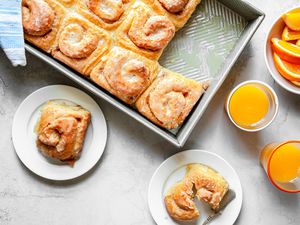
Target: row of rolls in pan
pixel 116 43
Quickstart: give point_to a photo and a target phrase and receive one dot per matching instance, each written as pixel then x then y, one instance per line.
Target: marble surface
pixel 115 191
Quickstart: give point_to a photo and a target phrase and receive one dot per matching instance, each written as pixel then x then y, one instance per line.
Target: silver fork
pixel 230 195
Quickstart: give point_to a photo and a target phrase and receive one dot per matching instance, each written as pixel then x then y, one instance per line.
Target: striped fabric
pixel 11 31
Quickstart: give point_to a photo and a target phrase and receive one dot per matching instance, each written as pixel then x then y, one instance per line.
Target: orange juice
pixel 248 105
pixel 285 163
pixel 281 161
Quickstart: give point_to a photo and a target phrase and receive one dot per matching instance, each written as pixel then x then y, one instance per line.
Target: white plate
pixel 173 170
pixel 24 137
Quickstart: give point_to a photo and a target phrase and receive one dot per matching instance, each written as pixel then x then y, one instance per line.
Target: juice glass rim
pixel 276 103
pixel 268 166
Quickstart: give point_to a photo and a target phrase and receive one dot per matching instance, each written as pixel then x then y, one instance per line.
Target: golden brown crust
pixel 80 40
pixel 145 32
pixel 179 201
pixel 178 11
pixel 80 44
pixel 41 21
pixel 209 186
pixel 109 20
pixel 125 74
pixel 169 99
pixel 61 131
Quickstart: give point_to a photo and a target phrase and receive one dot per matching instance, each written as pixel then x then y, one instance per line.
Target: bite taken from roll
pixel 179 201
pixel 201 181
pixel 41 20
pixel 124 74
pixel 170 98
pixel 178 11
pixel 145 32
pixel 80 44
pixel 61 131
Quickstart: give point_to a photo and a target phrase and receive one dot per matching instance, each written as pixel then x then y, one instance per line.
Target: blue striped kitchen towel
pixel 11 31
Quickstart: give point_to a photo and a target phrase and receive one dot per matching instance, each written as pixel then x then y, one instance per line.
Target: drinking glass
pixel 266 157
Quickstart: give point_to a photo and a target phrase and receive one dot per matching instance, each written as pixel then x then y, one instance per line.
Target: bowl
pixel 275 32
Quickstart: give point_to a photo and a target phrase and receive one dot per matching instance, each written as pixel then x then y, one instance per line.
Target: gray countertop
pixel 115 191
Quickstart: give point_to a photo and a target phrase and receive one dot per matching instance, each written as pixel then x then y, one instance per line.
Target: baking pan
pixel 205 49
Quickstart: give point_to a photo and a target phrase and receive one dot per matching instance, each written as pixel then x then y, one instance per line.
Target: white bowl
pixel 275 32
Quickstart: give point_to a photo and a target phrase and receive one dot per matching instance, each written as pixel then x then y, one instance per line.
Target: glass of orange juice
pixel 281 162
pixel 252 105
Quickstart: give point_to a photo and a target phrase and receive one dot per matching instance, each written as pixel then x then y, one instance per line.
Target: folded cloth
pixel 11 31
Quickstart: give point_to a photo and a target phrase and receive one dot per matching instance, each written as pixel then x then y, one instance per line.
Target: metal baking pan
pixel 205 49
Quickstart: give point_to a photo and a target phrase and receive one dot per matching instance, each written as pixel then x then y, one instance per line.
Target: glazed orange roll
pixel 41 20
pixel 179 201
pixel 201 181
pixel 61 130
pixel 79 44
pixel 210 185
pixel 178 11
pixel 169 99
pixel 107 14
pixel 145 32
pixel 124 74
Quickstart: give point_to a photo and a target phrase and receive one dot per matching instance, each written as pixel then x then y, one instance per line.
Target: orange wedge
pixel 292 20
pixel 298 43
pixel 290 35
pixel 287 70
pixel 287 51
pixel 296 83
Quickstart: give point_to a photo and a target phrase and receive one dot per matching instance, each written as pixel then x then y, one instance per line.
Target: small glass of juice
pixel 252 105
pixel 281 162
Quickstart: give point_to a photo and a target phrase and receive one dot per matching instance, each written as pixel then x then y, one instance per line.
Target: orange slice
pixel 287 51
pixel 296 83
pixel 298 43
pixel 287 70
pixel 290 35
pixel 292 20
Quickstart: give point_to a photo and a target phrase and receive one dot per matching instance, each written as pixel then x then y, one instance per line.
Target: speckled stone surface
pixel 115 191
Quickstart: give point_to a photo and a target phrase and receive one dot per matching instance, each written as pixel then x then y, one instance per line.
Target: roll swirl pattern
pixel 174 6
pixel 37 17
pixel 168 101
pixel 152 32
pixel 178 11
pixel 80 44
pixel 77 41
pixel 61 131
pixel 145 32
pixel 108 10
pixel 200 181
pixel 124 74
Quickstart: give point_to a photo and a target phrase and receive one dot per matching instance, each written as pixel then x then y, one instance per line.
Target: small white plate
pixel 24 136
pixel 172 170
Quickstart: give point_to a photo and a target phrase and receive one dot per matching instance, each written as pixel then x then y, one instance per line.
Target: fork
pixel 230 195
